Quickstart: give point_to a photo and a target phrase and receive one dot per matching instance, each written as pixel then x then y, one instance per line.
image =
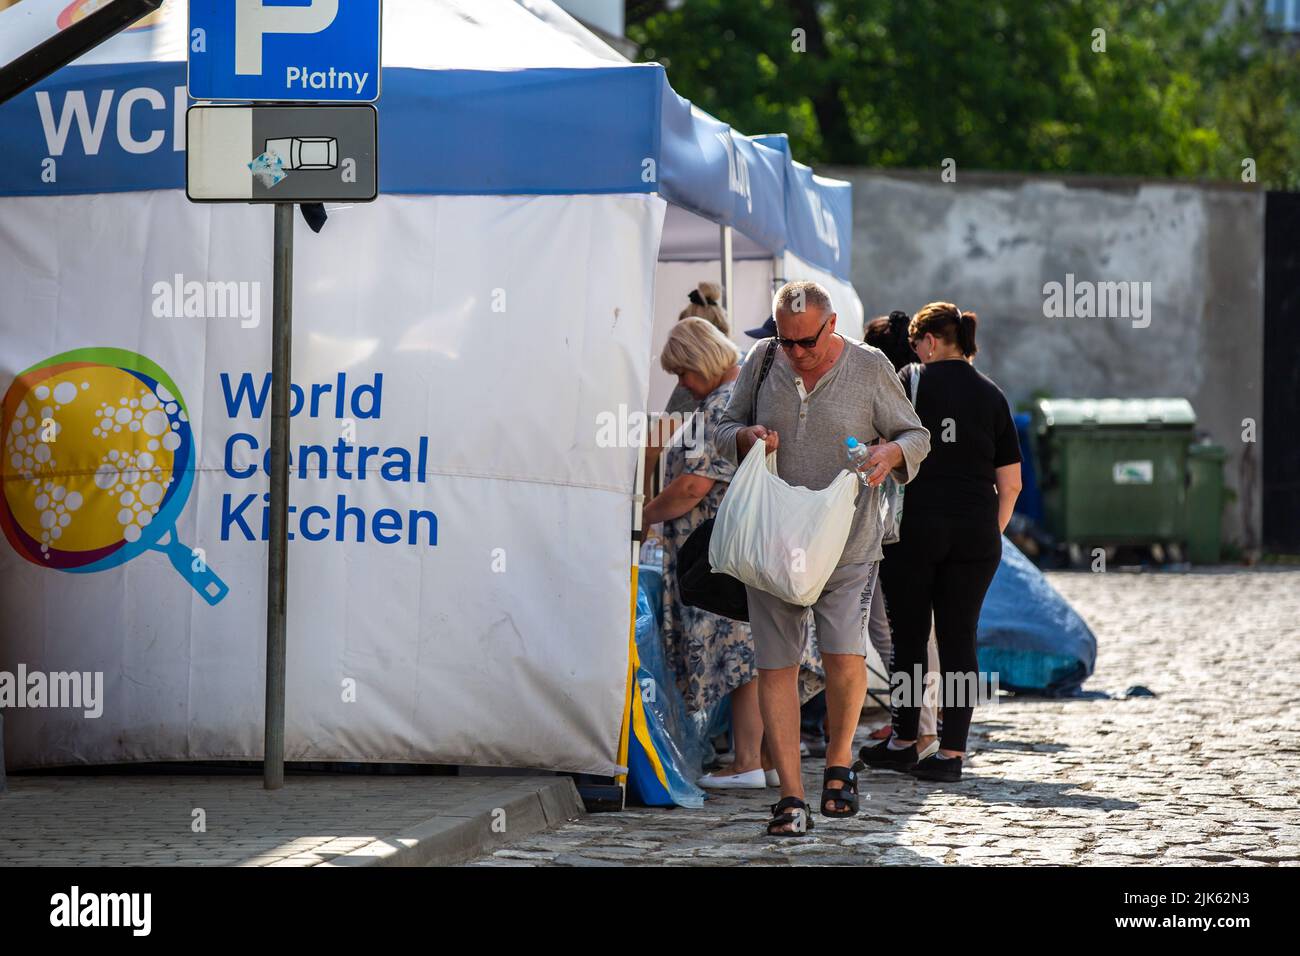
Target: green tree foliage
pixel 1179 88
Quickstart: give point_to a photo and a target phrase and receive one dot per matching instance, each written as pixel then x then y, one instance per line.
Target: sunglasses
pixel 805 344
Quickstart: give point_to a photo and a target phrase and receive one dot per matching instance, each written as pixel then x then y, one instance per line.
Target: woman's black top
pixel 971 435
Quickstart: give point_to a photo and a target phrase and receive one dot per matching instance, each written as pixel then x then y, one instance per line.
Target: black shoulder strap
pixel 768 356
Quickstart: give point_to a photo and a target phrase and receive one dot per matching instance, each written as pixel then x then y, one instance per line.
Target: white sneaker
pixel 750 780
pixel 773 780
pixel 929 751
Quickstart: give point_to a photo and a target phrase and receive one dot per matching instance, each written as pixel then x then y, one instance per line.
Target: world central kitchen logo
pixel 142 119
pixel 99 459
pixel 98 462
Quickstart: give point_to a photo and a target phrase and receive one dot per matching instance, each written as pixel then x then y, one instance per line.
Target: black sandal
pixel 846 795
pixel 792 812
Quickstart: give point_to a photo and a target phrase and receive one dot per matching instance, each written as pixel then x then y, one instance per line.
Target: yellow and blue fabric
pixel 657 773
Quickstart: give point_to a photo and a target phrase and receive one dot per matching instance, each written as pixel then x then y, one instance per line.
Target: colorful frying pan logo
pixel 98 461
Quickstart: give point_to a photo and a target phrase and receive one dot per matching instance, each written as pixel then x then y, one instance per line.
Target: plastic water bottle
pixel 652 553
pixel 858 454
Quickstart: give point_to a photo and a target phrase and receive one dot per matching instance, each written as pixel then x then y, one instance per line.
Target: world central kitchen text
pixel 248 516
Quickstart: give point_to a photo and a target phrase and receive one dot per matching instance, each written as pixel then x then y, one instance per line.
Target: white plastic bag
pixel 779 538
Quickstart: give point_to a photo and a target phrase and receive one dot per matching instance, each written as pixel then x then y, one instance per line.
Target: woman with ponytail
pixel 703 302
pixel 950 541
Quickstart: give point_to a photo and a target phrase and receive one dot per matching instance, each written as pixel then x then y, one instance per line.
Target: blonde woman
pixel 711 656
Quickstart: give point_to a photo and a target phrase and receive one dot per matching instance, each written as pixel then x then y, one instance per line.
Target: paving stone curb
pixel 479 825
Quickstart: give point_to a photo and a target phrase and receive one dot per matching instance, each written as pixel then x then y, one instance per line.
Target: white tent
pixel 459 571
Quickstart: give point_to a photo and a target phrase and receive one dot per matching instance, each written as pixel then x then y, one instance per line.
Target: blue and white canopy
pixel 479 97
pixel 495 318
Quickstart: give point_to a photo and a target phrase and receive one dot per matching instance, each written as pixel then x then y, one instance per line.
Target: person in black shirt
pixel 950 541
pixel 889 333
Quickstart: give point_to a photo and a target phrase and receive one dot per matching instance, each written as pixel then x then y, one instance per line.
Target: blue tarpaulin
pixel 659 774
pixel 1029 635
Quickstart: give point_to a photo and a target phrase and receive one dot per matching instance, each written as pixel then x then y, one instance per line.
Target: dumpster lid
pixel 1058 412
pixel 1207 450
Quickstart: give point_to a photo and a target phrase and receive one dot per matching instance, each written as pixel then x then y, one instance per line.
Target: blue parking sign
pixel 285 50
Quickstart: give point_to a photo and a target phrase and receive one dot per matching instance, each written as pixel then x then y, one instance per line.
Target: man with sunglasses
pixel 820 389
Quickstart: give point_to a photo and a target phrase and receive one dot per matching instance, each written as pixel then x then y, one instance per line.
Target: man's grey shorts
pixel 838 614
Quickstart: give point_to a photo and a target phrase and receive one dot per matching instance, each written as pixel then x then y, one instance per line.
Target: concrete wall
pixel 990 243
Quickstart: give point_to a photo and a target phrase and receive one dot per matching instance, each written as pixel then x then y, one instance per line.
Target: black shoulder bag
pixel 697 583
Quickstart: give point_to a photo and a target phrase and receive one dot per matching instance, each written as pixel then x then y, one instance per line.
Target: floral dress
pixel 710 655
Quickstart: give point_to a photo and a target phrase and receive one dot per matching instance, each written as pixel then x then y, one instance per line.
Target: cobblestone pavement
pixel 149 820
pixel 1205 773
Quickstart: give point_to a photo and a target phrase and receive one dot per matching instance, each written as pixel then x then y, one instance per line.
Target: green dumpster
pixel 1205 501
pixel 1114 471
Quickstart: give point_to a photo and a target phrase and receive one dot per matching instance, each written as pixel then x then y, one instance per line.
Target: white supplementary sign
pixel 282 153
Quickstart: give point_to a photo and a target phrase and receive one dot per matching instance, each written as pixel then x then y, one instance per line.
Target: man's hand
pixel 881 460
pixel 746 437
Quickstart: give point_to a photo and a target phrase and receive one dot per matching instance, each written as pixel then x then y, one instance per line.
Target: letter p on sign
pixel 253 20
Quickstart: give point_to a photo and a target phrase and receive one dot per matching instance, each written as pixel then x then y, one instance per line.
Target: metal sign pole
pixel 728 268
pixel 280 142
pixel 277 564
